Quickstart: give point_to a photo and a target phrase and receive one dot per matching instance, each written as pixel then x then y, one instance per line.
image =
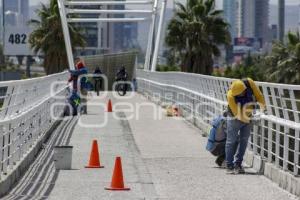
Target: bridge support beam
pixel 65 27
pixel 150 37
pixel 158 38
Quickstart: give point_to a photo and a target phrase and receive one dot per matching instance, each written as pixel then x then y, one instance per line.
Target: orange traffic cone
pixel 117 182
pixel 109 106
pixel 94 157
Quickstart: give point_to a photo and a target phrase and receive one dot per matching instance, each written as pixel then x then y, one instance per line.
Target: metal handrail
pixel 26 111
pixel 276 138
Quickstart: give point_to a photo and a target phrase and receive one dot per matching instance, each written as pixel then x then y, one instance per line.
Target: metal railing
pixel 275 138
pixel 28 110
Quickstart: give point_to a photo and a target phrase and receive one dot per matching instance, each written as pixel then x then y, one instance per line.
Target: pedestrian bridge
pixel 162 157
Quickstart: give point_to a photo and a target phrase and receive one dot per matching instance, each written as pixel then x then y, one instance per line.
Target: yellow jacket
pixel 237 88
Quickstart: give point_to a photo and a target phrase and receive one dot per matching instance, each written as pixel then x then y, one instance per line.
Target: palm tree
pixel 48 38
pixel 195 32
pixel 284 61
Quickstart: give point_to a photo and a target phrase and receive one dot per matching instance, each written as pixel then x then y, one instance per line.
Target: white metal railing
pixel 275 138
pixel 26 114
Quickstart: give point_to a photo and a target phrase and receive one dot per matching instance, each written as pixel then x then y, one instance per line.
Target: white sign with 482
pixel 16 41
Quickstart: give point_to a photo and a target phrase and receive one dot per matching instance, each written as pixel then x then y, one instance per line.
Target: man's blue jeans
pixel 237 131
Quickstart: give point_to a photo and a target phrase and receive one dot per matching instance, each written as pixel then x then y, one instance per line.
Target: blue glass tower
pixel 229 7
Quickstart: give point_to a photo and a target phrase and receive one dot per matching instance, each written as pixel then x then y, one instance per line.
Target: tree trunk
pixel 199 65
pixel 209 66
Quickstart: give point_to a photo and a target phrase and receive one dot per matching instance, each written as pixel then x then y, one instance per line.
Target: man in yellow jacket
pixel 242 97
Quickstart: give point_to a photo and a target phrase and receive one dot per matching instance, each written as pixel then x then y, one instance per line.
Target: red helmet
pixel 79 65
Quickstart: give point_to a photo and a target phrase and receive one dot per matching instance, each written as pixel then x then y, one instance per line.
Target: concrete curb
pixel 254 161
pixel 284 179
pixel 9 180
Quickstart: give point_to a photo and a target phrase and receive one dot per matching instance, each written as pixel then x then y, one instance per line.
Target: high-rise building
pixel 118 30
pixel 16 12
pixel 262 19
pixel 131 35
pixel 253 19
pixel 10 8
pixel 299 19
pixel 124 33
pixel 274 31
pixel 1 24
pixel 229 8
pixel 107 37
pixel 281 19
pixel 12 5
pixel 24 10
pixel 97 35
pixel 246 18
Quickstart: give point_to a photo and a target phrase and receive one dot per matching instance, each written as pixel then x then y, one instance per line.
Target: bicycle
pixel 121 87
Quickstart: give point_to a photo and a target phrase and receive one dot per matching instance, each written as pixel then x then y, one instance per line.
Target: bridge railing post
pixel 254 133
pixel 297 135
pixel 270 141
pixel 296 153
pixel 285 149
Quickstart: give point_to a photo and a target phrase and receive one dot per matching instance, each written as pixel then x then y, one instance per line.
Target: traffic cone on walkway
pixel 94 157
pixel 109 106
pixel 117 182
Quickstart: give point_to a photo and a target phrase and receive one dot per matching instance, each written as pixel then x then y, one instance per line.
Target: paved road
pixel 163 158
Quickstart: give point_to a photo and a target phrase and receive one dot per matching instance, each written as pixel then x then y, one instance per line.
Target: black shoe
pixel 239 169
pixel 230 170
pixel 219 161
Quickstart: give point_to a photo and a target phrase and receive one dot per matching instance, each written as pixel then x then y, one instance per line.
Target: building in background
pixel 107 37
pixel 97 34
pixel 253 19
pixel 24 10
pixel 253 31
pixel 130 35
pixel 299 19
pixel 118 30
pixel 1 24
pixel 16 12
pixel 281 19
pixel 10 9
pixel 262 20
pixel 274 31
pixel 230 8
pixel 125 33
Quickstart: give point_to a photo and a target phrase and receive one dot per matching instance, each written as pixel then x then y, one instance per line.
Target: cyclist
pixel 122 75
pixel 98 80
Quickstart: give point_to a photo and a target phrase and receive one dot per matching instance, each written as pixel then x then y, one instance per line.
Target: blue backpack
pixel 74 100
pixel 217 136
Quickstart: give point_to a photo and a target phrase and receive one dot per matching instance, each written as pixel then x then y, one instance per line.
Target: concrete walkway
pixel 163 158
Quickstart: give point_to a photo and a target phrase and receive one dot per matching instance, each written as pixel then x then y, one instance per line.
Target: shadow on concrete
pixel 40 178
